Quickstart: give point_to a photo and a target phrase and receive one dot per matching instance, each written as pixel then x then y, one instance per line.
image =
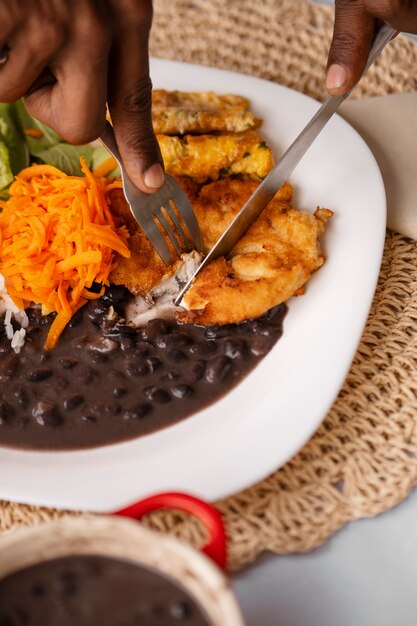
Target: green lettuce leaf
pixel 50 147
pixel 36 144
pixel 66 157
pixel 6 174
pixel 14 153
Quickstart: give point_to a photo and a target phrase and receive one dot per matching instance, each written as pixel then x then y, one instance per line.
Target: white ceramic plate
pixel 259 425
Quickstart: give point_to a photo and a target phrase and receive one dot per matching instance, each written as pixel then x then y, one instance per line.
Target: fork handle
pixel 108 140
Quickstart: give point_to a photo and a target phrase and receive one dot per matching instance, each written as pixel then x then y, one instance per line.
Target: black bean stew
pixel 94 591
pixel 106 382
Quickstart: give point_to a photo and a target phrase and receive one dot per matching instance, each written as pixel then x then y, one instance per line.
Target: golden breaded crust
pixel 218 203
pixel 178 112
pixel 208 157
pixel 215 206
pixel 219 296
pixel 271 263
pixel 144 269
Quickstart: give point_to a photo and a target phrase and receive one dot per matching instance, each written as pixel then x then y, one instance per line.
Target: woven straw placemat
pixel 363 459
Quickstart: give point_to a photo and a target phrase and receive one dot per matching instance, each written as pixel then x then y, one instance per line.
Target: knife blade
pixel 283 169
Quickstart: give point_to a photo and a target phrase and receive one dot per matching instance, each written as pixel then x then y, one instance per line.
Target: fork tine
pixel 145 207
pixel 155 237
pixel 169 209
pixel 168 229
pixel 186 211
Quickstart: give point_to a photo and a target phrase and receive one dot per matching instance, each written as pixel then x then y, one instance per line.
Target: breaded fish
pixel 178 112
pixel 216 205
pixel 209 157
pixel 144 268
pixel 271 263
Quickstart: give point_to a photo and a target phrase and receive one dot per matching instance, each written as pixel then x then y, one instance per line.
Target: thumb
pixel 352 38
pixel 130 101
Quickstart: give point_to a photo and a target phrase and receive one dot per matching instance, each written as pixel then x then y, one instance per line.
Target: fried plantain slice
pixel 209 157
pixel 179 112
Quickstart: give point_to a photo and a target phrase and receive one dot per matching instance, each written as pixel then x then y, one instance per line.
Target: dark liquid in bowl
pixel 105 384
pixel 94 591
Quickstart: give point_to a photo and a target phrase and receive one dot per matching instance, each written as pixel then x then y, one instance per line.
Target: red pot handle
pixel 215 547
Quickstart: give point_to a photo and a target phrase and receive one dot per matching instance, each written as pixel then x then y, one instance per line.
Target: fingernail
pixel 336 77
pixel 154 177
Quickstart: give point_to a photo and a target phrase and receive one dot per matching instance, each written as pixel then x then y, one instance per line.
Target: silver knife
pixel 283 169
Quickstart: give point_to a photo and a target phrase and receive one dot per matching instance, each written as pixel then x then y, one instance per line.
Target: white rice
pixel 10 310
pixel 159 302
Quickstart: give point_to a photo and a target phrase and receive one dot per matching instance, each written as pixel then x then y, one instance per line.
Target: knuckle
pixel 349 7
pixel 137 99
pixel 47 39
pixel 141 140
pixel 345 41
pixel 6 25
pixel 92 26
pixel 343 4
pixel 53 34
pixel 10 17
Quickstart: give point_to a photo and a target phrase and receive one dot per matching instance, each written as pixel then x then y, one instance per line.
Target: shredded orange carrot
pixel 56 330
pixel 57 238
pixel 34 132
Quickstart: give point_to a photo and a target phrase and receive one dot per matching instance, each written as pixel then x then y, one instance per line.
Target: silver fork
pixel 151 209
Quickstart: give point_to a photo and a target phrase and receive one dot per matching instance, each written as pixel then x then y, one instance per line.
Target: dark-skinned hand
pixel 356 22
pixel 67 58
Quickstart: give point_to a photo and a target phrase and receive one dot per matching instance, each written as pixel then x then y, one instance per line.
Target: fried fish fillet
pixel 209 157
pixel 144 268
pixel 215 206
pixel 271 263
pixel 178 112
